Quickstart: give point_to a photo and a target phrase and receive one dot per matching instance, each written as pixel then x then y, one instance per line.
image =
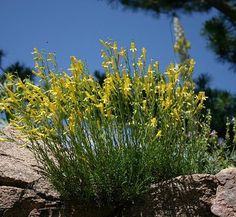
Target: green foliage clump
pixel 108 142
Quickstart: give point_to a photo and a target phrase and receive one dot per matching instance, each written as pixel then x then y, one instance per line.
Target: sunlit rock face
pixel 224 203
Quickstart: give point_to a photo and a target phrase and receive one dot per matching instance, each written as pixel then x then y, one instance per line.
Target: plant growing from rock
pixel 108 143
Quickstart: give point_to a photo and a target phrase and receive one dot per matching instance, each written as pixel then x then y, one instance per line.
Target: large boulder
pixel 25 192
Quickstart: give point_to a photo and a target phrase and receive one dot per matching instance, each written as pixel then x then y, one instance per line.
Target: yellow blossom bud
pixel 133 47
pixel 122 52
pixel 158 135
pixel 153 122
pixel 144 53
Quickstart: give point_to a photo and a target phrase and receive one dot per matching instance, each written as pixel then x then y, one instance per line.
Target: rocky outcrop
pixel 224 203
pixel 23 189
pixel 25 192
pixel 181 196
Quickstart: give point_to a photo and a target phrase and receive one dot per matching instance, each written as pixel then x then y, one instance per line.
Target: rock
pixel 18 202
pixel 224 204
pixel 182 196
pixel 22 187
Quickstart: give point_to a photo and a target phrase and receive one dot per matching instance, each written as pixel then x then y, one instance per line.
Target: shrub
pixel 107 143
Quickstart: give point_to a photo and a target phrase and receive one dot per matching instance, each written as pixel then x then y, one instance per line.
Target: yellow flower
pixel 191 66
pixel 56 90
pixel 153 122
pixel 106 64
pixel 114 47
pixel 103 54
pixel 71 124
pixel 98 124
pixel 113 64
pixel 201 96
pixel 90 97
pixel 150 72
pixel 156 66
pixel 39 73
pixel 76 67
pixel 50 57
pixel 144 107
pixel 133 47
pixel 52 106
pixel 3 139
pixel 169 89
pixel 101 107
pixel 200 99
pixel 144 53
pixel 160 88
pixel 11 95
pixel 159 133
pixel 35 51
pixel 38 55
pixel 126 85
pixel 108 87
pixel 140 64
pixel 35 133
pixel 9 79
pixel 166 103
pixel 122 52
pixel 175 114
pixel 108 113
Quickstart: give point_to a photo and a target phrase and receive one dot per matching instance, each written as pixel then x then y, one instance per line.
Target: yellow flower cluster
pixel 131 93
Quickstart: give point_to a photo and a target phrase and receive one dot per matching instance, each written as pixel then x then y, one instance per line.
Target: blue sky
pixel 74 27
